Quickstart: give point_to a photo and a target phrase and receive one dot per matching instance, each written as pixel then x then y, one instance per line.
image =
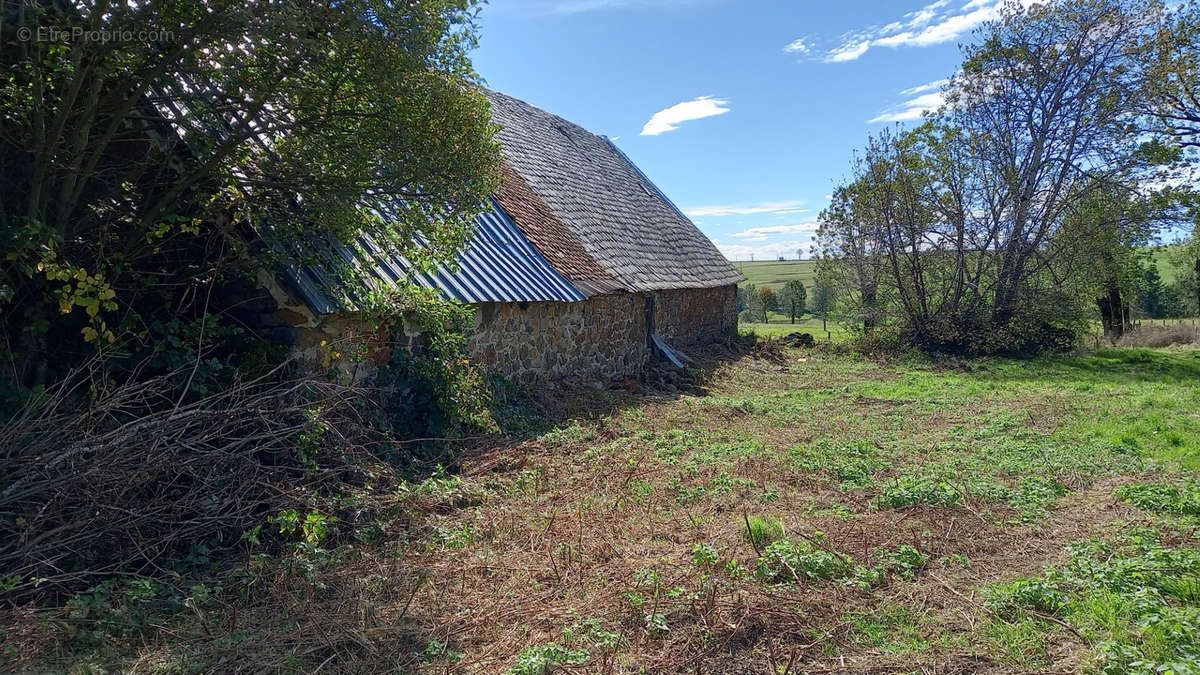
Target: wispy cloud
pixel 936 85
pixel 789 249
pixel 743 209
pixel 767 231
pixel 925 98
pixel 848 51
pixel 798 46
pixel 669 119
pixel 933 24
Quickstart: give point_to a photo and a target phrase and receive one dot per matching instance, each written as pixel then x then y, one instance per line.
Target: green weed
pixel 761 531
pixel 1163 498
pixel 910 491
pixel 546 659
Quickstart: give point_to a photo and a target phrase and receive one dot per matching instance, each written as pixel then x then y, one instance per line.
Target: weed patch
pixel 1138 603
pixel 910 491
pixel 1163 498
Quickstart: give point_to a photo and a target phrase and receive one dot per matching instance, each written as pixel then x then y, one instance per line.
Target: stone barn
pixel 581 267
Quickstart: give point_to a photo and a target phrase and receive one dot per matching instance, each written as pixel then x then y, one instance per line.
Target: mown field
pixel 781 325
pixel 804 512
pixel 774 274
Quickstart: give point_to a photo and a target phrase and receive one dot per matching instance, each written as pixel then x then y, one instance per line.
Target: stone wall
pixel 603 337
pixel 338 343
pixel 691 316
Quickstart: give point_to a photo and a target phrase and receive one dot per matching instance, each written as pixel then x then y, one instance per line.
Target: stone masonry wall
pixel 691 316
pixel 339 343
pixel 603 337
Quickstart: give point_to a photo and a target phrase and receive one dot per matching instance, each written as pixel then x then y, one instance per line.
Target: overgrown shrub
pixel 1163 498
pixel 434 390
pixel 787 560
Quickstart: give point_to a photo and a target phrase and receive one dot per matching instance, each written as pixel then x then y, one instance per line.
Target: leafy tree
pixel 138 173
pixel 793 298
pixel 1170 74
pixel 753 310
pixel 1107 234
pixel 769 298
pixel 1185 259
pixel 849 260
pixel 1155 299
pixel 951 234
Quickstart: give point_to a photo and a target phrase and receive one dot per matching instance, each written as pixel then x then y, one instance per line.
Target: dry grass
pixel 586 537
pixel 1162 336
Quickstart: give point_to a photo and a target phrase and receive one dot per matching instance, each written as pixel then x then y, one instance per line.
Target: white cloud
pixel 913 108
pixel 743 209
pixel 765 232
pixel 770 251
pixel 848 52
pixel 669 119
pixel 933 24
pixel 936 85
pixel 798 46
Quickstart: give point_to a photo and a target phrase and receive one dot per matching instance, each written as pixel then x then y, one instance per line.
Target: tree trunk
pixel 869 313
pixel 1114 313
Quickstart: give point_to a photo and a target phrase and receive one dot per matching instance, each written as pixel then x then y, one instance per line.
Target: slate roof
pixel 574 217
pixel 624 223
pixel 554 240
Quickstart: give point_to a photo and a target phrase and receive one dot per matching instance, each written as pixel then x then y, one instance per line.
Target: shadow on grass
pixel 1111 366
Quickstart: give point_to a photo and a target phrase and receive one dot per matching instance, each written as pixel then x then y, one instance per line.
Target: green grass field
pixel 774 274
pixel 805 512
pixel 780 325
pixel 1161 257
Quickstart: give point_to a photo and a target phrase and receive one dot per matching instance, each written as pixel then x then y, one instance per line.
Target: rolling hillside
pixel 775 273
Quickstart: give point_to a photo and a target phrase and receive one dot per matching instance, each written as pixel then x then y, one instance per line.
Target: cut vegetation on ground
pixel 810 513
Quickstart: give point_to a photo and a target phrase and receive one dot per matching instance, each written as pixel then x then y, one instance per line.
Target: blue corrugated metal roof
pixel 498 265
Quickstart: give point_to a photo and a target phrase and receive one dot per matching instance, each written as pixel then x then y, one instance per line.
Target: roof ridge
pixel 623 220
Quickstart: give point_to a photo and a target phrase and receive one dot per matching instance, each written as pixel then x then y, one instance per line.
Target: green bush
pixel 434 390
pixel 906 561
pixel 1038 595
pixel 546 659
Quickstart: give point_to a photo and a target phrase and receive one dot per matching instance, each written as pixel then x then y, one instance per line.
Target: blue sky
pixel 745 113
